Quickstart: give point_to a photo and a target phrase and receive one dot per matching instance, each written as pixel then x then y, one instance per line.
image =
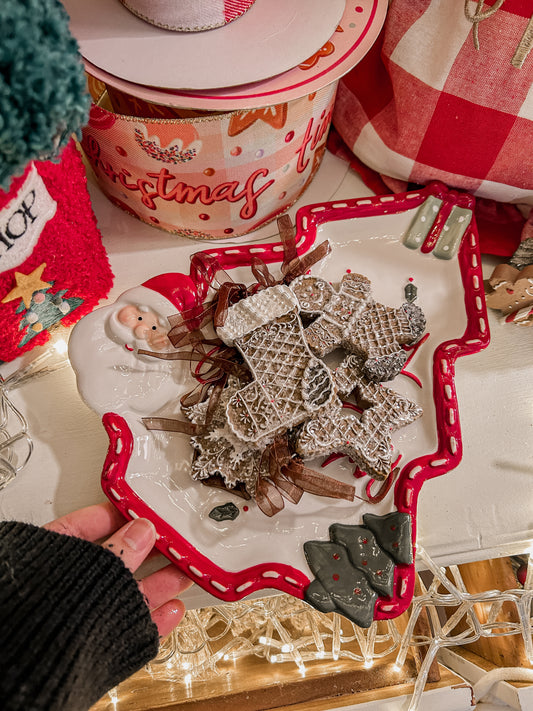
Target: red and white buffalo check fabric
pixel 427 104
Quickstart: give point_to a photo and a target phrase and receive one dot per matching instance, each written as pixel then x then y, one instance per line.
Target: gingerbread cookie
pixel 290 383
pixel 219 451
pixel 349 318
pixel 364 437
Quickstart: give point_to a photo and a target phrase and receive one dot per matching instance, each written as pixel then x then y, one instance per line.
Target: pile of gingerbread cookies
pixel 293 407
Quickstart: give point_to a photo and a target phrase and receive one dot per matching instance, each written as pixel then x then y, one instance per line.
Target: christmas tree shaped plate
pixel 335 400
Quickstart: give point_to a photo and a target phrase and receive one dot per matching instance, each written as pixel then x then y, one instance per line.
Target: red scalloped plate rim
pixel 231 586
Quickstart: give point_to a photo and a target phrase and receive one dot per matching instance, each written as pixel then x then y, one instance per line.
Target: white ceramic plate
pixel 147 473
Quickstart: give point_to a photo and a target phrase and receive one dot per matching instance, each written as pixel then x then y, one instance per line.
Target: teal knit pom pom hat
pixel 43 95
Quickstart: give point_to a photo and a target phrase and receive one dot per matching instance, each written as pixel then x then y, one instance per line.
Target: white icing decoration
pixel 255 311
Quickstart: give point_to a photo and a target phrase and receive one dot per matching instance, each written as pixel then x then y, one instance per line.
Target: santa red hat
pixel 177 288
pixel 164 295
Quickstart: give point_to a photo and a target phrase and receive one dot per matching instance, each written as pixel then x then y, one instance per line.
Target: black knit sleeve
pixel 73 622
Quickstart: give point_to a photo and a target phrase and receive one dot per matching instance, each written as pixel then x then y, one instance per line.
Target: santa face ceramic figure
pixel 332 520
pixel 145 326
pixel 126 381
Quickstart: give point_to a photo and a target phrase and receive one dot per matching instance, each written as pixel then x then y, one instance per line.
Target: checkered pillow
pixel 426 104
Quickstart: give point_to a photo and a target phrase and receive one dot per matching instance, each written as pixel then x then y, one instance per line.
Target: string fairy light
pixel 284 630
pixel 16 444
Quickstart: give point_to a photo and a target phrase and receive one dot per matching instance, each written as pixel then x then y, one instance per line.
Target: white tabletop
pixel 482 509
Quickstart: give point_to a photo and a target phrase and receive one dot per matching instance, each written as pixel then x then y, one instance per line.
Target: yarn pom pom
pixel 43 95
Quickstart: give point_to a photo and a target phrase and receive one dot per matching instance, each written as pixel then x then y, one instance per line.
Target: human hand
pixel 132 542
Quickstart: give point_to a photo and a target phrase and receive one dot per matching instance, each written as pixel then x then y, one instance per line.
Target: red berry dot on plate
pixel 228 230
pixel 521 573
pixel 209 171
pixel 203 216
pixel 393 528
pixel 245 508
pixel 289 137
pixel 365 540
pixel 120 151
pixel 357 591
pixel 236 151
pixel 335 577
pixel 395 544
pixel 348 271
pixel 154 220
pixel 364 562
pixel 336 556
pixel 358 8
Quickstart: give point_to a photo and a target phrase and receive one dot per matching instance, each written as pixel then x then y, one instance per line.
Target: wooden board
pixel 495 574
pixel 257 685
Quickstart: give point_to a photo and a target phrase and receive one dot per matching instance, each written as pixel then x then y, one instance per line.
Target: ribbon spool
pixel 209 175
pixel 188 15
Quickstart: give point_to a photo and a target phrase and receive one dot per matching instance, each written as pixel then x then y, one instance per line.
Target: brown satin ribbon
pixel 317 483
pixel 289 478
pixel 167 424
pixel 303 264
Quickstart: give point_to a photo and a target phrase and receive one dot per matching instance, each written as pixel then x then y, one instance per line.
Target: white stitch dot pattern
pixel 244 586
pixel 218 586
pixel 438 462
pixel 414 471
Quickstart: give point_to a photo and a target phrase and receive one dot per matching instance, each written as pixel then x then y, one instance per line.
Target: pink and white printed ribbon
pixel 188 15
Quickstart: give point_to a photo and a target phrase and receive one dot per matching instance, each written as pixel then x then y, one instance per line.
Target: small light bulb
pixel 61 346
